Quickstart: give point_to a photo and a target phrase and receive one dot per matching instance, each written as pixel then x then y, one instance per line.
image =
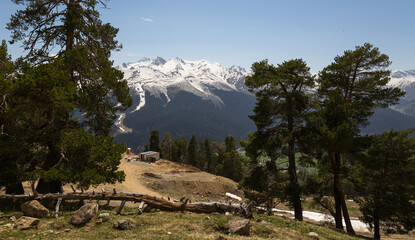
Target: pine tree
pixel 193 153
pixel 154 141
pixel 207 156
pixel 166 146
pixel 83 45
pixel 282 105
pixel 350 89
pixel 8 145
pixel 385 178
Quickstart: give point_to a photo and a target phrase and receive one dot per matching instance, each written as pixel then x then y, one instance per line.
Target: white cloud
pixel 147 19
pixel 130 54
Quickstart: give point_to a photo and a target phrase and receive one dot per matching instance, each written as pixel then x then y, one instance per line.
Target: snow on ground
pixel 320 217
pixel 142 94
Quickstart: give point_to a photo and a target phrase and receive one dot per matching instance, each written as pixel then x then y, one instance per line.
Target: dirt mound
pixel 176 180
pixel 169 179
pixel 166 179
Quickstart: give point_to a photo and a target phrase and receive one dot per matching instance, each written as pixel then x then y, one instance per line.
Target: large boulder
pixel 26 223
pixel 34 209
pixel 239 226
pixel 84 214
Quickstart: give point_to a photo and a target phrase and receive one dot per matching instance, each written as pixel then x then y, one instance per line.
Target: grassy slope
pixel 156 225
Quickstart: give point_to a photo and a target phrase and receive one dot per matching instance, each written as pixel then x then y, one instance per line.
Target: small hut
pixel 149 156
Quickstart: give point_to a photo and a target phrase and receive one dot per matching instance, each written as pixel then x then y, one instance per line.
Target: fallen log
pixel 153 202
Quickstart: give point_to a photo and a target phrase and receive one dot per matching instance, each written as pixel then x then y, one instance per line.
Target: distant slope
pixel 188 114
pixel 385 119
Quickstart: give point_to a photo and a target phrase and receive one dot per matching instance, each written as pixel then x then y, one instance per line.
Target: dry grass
pixel 165 225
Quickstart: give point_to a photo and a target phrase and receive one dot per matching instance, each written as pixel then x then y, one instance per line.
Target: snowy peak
pixel 402 79
pixel 163 78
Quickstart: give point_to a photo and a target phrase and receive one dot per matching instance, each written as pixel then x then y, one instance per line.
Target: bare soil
pixel 164 178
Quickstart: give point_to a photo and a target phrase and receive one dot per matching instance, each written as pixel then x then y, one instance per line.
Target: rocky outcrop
pixel 84 214
pixel 25 222
pixel 239 226
pixel 34 209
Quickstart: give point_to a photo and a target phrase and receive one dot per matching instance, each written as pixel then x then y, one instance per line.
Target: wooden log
pixel 58 204
pixel 121 207
pixel 152 202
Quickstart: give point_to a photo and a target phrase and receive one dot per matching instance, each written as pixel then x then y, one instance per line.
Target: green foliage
pixel 280 112
pixel 193 152
pixel 154 141
pixel 385 176
pixel 166 146
pixel 42 100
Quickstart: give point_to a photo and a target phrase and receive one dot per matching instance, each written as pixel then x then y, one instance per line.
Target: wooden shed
pixel 149 156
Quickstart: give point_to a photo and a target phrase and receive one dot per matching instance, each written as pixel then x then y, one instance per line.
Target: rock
pixel 18 215
pixel 239 226
pixel 98 221
pixel 84 214
pixel 227 214
pixel 103 215
pixel 34 209
pixel 313 235
pixel 67 230
pixel 13 219
pixel 122 225
pixel 26 223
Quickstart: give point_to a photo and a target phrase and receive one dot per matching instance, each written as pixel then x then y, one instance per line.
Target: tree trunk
pixel 294 188
pixel 376 228
pixel 338 207
pixel 49 187
pixel 336 178
pixel 16 189
pixel 346 216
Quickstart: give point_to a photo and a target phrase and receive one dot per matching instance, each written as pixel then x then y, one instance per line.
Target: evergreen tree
pixel 8 145
pixel 193 153
pixel 350 89
pixel 179 150
pixel 166 146
pixel 207 156
pixel 154 141
pixel 282 105
pixel 386 175
pixel 83 45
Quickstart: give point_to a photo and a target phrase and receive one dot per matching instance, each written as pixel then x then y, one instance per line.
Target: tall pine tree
pixel 350 89
pixel 282 105
pixel 84 45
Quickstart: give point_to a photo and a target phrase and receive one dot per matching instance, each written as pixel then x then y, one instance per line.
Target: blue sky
pixel 240 32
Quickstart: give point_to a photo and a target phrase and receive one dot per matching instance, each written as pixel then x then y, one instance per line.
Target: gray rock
pixel 84 214
pixel 122 225
pixel 104 215
pixel 26 223
pixel 239 226
pixel 313 235
pixel 34 209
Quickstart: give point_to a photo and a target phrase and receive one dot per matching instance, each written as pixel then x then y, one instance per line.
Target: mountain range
pixel 184 98
pixel 207 99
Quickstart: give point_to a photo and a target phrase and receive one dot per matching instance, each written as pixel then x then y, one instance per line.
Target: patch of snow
pixel 233 196
pixel 320 217
pixel 142 94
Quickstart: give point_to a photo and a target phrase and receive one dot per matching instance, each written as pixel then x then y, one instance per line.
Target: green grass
pixel 157 225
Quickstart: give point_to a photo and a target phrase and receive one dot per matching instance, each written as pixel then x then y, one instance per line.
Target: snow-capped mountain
pixel 162 78
pixel 184 98
pixel 405 80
